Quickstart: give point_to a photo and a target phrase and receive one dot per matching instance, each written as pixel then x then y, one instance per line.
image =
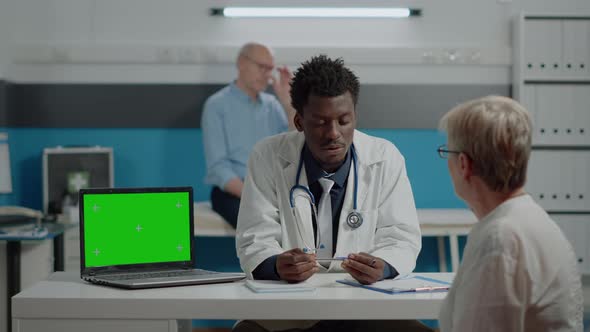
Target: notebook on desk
pixel 140 238
pixel 406 284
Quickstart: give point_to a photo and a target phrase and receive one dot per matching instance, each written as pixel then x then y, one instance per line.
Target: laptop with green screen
pixel 140 238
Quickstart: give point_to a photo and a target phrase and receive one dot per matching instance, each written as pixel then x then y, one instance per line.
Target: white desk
pixel 446 222
pixel 65 303
pixel 26 260
pixel 433 222
pixel 209 222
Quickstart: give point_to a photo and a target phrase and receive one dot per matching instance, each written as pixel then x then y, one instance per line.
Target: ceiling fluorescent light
pixel 314 12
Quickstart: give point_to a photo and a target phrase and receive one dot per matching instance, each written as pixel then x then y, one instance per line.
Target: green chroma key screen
pixel 136 228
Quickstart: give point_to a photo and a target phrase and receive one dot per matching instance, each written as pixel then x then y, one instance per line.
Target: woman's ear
pixel 465 166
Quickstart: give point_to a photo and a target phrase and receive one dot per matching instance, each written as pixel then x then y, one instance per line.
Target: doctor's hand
pixel 294 265
pixel 363 267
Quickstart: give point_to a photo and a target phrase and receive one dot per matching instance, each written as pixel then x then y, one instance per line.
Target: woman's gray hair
pixel 495 133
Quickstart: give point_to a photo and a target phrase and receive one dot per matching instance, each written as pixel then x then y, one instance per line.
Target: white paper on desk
pixel 410 283
pixel 24 232
pixel 277 286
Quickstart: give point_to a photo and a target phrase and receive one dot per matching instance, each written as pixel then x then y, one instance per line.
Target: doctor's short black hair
pixel 323 77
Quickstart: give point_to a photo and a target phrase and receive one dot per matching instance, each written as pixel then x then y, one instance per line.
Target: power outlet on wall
pixel 187 55
pixel 453 56
pixel 60 55
pixel 429 57
pixel 165 55
pixel 473 57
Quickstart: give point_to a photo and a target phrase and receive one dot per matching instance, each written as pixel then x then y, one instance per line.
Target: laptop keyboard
pixel 162 274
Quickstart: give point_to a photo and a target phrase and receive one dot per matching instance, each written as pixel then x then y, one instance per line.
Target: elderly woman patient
pixel 518 272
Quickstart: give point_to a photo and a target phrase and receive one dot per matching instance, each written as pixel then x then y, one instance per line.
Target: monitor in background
pixel 5 175
pixel 66 170
pixel 11 215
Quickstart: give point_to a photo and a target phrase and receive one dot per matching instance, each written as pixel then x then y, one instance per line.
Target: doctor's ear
pixel 298 121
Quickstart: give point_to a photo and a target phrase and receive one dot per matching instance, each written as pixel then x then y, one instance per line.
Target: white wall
pixel 5 11
pixel 105 36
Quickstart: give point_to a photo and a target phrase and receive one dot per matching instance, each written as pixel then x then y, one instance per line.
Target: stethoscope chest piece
pixel 354 219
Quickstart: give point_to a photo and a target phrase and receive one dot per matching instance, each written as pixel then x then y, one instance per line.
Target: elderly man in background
pixel 238 116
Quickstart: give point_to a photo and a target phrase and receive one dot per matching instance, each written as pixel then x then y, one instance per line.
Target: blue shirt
pixel 232 123
pixel 267 269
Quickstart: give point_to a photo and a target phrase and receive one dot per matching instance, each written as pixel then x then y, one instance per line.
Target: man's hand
pixel 282 85
pixel 294 265
pixel 234 187
pixel 363 267
pixel 282 88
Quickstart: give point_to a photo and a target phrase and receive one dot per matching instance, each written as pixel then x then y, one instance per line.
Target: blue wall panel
pixel 428 173
pixel 142 157
pixel 171 157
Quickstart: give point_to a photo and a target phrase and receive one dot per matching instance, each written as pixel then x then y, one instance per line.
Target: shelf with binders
pixel 561 113
pixel 553 48
pixel 551 78
pixel 559 180
pixel 576 229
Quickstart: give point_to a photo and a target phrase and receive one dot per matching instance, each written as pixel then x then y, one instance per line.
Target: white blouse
pixel 519 273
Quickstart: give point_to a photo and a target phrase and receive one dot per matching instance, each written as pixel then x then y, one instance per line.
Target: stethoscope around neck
pixel 354 219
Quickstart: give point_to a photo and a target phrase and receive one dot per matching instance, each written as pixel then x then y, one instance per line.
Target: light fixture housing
pixel 315 12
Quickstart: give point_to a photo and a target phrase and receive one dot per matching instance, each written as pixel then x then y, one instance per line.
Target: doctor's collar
pixel 315 172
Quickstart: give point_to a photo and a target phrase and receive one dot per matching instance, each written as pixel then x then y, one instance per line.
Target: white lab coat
pixel 267 226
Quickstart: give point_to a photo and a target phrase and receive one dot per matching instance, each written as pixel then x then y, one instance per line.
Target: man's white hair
pixel 248 48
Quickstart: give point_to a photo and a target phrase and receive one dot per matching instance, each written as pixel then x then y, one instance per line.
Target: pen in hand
pixel 331 259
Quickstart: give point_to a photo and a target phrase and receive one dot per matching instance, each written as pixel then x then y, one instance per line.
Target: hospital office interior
pixel 133 75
